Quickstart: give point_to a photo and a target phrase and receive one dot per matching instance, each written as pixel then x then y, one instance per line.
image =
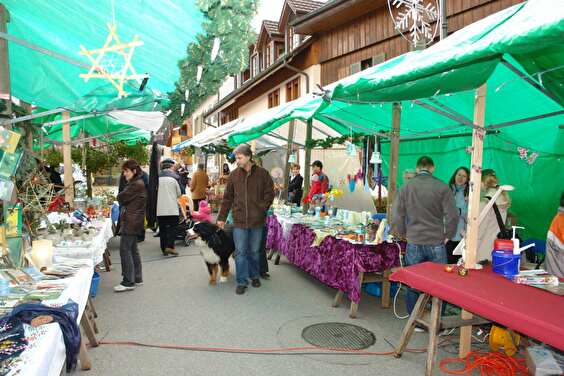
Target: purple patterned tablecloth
pixel 334 262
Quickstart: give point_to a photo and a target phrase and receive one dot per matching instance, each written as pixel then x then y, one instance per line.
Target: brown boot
pixel 171 251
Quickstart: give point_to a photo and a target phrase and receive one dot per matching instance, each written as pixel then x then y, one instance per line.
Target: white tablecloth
pixel 95 251
pixel 46 352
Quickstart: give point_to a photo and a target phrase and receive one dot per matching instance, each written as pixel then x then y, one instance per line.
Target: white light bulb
pixel 215 49
pixel 199 73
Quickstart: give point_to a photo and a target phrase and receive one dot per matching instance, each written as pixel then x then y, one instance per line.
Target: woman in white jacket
pixel 489 228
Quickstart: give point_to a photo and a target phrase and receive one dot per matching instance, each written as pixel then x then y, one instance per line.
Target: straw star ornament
pixel 101 69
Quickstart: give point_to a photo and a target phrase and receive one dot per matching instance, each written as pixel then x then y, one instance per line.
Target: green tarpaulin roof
pixel 518 53
pixel 61 26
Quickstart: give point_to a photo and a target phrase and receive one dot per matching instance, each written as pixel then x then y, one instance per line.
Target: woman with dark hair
pixel 132 201
pixel 460 188
pixel 295 191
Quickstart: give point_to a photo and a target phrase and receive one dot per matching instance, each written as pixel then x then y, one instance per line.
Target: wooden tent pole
pixel 307 162
pixel 394 156
pixel 474 204
pixel 288 153
pixel 5 92
pixel 67 160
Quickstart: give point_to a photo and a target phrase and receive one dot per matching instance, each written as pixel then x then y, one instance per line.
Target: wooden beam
pixel 307 162
pixel 394 156
pixel 288 153
pixel 67 160
pixel 478 135
pixel 471 240
pixel 5 92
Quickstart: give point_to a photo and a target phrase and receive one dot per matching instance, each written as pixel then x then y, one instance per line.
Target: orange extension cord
pixel 488 363
pixel 305 350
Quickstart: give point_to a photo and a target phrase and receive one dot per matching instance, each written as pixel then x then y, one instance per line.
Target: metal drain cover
pixel 338 335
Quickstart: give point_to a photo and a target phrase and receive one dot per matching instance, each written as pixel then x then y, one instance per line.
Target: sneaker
pixel 265 276
pixel 157 235
pixel 139 283
pixel 122 288
pixel 255 283
pixel 240 290
pixel 419 329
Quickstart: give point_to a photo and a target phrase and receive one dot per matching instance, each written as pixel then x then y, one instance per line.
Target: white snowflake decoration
pixel 414 19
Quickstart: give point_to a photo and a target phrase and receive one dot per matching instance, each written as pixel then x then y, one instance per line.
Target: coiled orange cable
pixel 487 363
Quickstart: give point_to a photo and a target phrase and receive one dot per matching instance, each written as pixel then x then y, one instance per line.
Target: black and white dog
pixel 220 247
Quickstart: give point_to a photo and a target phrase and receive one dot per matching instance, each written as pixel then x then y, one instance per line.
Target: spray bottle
pixel 516 243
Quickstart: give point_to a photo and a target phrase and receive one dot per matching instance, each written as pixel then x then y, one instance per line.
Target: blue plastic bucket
pixel 94 284
pixel 506 263
pixel 375 288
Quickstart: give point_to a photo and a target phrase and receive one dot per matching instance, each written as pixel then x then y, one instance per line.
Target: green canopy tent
pixel 45 63
pixel 517 53
pixel 45 38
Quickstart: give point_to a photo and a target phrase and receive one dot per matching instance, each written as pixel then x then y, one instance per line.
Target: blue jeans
pixel 247 247
pixel 416 254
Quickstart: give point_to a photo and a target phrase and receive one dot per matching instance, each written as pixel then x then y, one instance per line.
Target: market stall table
pixel 96 248
pixel 525 309
pixel 336 263
pixel 45 354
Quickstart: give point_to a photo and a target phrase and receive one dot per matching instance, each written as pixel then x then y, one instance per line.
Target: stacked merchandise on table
pixel 30 299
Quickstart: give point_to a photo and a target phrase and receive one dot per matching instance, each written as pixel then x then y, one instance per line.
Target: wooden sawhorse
pixel 90 329
pixel 383 277
pixel 434 323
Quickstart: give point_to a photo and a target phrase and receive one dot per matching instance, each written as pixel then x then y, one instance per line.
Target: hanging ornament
pixel 186 94
pixel 215 49
pixel 199 73
pixel 168 113
pixel 416 20
pixel 376 158
pixel 351 182
pixel 359 175
pixel 292 158
pixel 182 108
pixel 522 152
pixel 381 180
pixel 351 148
pixel 104 67
pixel 532 158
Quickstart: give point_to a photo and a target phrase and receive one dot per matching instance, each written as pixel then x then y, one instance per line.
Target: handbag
pixel 504 232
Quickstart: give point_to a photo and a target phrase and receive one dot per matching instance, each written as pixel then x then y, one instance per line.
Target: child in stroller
pixel 186 222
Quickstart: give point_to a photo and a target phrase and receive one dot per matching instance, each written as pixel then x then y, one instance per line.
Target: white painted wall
pixel 227 87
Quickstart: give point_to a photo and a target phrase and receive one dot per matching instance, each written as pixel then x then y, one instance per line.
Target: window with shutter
pixel 355 68
pixel 378 59
pixel 293 90
pixel 274 98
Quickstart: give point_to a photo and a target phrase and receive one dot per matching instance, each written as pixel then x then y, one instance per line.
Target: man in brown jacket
pixel 249 194
pixel 199 186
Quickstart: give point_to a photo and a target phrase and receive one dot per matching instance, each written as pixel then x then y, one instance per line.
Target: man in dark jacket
pixel 132 201
pixel 426 214
pixel 249 194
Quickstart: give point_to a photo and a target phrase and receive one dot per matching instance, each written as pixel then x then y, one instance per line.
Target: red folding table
pixel 534 312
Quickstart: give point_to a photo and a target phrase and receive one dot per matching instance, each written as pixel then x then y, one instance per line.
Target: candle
pixel 42 253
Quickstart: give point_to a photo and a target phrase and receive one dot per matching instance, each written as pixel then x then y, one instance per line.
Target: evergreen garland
pixel 327 142
pixel 230 21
